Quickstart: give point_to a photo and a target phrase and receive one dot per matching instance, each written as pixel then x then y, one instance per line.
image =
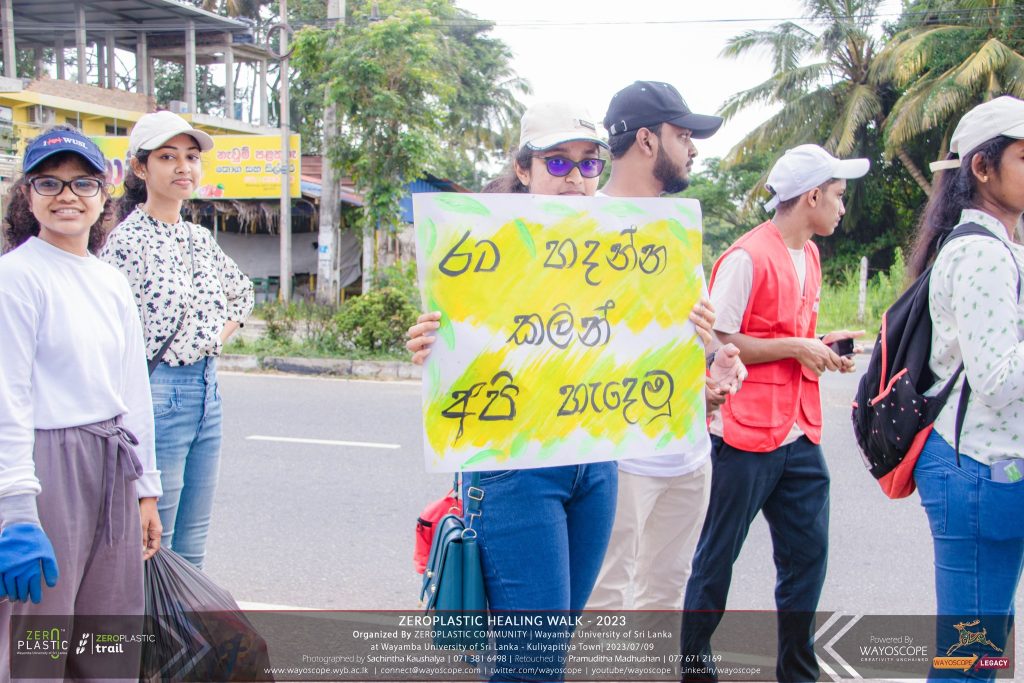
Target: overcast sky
pixel 586 50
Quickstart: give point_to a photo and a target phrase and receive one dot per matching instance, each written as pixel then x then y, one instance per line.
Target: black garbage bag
pixel 195 630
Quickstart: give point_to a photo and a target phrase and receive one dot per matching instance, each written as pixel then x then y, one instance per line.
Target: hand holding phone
pixel 843 347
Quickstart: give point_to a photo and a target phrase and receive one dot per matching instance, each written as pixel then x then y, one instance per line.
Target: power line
pixel 966 13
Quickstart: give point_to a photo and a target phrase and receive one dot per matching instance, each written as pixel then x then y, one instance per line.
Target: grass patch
pixel 265 346
pixel 839 301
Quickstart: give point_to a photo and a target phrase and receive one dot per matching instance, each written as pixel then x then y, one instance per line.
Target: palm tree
pixel 823 81
pixel 953 56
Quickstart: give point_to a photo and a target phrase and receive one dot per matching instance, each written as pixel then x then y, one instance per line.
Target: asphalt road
pixel 328 526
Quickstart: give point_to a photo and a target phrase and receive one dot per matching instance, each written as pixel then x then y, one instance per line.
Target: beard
pixel 672 177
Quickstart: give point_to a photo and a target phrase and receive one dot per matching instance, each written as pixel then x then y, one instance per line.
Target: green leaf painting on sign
pixel 460 203
pixel 484 456
pixel 428 235
pixel 559 209
pixel 679 231
pixel 433 379
pixel 689 215
pixel 446 331
pixel 524 234
pixel 623 209
pixel 518 446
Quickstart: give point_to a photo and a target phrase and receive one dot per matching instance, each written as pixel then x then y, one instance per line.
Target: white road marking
pixel 268 607
pixel 319 378
pixel 323 442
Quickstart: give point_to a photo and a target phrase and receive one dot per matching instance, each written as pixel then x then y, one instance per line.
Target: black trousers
pixel 791 487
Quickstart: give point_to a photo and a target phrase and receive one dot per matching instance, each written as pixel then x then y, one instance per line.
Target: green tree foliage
pixel 830 93
pixel 419 88
pixel 722 190
pixel 384 76
pixel 169 84
pixel 376 321
pixel 485 110
pixel 946 57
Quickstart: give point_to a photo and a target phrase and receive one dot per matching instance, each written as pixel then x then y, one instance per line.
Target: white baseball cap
pixel 153 130
pixel 547 124
pixel 806 167
pixel 1001 116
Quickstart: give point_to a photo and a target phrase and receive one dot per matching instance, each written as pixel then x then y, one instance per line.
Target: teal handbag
pixel 453 582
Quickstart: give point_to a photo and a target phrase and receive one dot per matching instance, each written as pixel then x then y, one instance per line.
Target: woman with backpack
pixel 78 478
pixel 974 498
pixel 191 297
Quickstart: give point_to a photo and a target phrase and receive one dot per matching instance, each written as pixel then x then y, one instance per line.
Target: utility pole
pixel 327 275
pixel 286 176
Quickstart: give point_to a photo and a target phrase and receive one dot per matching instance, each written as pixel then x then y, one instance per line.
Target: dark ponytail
pixel 134 188
pixel 955 190
pixel 508 182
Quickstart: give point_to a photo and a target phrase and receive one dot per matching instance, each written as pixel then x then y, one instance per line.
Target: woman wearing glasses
pixel 78 478
pixel 543 532
pixel 191 297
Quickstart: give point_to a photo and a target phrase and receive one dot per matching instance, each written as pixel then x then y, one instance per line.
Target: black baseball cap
pixel 46 145
pixel 647 103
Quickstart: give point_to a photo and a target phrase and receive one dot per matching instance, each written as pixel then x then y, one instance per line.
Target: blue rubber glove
pixel 26 556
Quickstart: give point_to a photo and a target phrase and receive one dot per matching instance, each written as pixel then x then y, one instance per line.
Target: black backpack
pixel 891 416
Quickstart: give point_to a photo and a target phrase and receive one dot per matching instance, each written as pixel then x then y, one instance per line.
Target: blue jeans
pixel 542 535
pixel 978 534
pixel 187 412
pixel 790 486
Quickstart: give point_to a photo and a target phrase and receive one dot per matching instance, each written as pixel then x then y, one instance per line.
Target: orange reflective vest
pixel 778 394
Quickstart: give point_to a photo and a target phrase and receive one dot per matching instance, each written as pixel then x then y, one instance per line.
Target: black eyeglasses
pixel 48 186
pixel 561 167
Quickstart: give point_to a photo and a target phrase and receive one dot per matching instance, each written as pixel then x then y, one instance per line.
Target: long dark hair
pixel 20 223
pixel 134 188
pixel 508 181
pixel 955 190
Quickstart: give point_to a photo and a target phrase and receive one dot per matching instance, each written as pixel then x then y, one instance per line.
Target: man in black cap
pixel 662 500
pixel 651 132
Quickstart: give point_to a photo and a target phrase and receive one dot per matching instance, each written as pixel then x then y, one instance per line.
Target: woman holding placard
pixel 544 531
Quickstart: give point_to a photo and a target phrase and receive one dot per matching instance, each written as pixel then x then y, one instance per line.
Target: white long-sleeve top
pixel 71 354
pixel 977 320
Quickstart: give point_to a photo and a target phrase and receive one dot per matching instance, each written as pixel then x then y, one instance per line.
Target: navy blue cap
pixel 46 145
pixel 647 103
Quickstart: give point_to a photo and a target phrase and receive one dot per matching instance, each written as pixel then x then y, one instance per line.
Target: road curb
pixel 332 367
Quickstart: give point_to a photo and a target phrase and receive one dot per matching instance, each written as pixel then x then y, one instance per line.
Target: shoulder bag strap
pixel 154 362
pixel 472 505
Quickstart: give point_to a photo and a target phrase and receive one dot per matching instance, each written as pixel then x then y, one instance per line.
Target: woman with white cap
pixel 78 478
pixel 191 297
pixel 974 499
pixel 543 532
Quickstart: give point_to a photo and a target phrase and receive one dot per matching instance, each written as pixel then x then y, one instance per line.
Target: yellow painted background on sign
pixel 238 166
pixel 483 300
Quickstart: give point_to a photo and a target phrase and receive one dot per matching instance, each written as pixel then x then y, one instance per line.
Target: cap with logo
pixel 547 124
pixel 648 103
pixel 46 145
pixel 804 168
pixel 1001 116
pixel 153 130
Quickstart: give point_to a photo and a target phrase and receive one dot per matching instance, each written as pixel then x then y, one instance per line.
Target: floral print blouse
pixel 978 320
pixel 156 259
